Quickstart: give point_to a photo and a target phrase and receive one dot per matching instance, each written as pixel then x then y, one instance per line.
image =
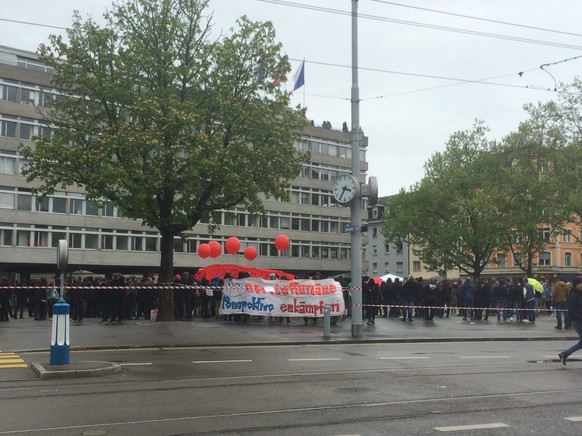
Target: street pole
pixel 356 205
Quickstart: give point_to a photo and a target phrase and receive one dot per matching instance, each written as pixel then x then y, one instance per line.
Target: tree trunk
pixel 166 296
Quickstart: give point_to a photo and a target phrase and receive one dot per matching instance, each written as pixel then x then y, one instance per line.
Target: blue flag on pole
pixel 299 76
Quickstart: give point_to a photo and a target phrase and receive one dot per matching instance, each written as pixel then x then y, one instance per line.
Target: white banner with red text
pixel 292 298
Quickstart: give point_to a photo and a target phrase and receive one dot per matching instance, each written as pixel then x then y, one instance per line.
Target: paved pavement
pixel 27 335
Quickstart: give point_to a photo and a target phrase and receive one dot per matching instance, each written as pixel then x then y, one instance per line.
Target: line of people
pixel 507 299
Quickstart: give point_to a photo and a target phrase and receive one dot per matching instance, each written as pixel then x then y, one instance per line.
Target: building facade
pixel 102 242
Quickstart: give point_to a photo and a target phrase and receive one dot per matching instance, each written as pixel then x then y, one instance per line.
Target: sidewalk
pixel 27 335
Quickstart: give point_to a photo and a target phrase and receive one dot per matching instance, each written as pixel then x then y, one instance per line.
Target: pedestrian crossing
pixel 11 360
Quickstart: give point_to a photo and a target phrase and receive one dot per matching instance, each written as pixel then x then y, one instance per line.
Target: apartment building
pixel 102 242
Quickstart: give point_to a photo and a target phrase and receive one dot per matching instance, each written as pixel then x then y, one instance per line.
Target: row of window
pixel 22 128
pixel 26 93
pixel 123 240
pixel 23 200
pixel 544 259
pixel 329 148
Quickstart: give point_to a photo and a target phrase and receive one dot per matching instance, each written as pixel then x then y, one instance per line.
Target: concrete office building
pixel 101 242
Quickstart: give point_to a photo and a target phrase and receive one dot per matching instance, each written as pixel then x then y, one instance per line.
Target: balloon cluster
pixel 232 245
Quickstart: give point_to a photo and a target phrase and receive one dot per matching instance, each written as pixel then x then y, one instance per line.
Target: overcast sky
pixel 424 74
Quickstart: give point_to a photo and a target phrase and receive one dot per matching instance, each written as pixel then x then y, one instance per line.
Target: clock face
pixel 344 188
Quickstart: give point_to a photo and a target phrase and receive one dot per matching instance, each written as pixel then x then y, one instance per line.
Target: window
pixel 517 259
pixel 41 237
pixel 5 236
pixel 387 267
pixel 107 242
pixel 386 248
pixel 91 239
pixel 567 235
pixel 416 266
pixel 27 94
pixel 75 238
pixel 6 200
pixel 24 202
pixel 26 128
pixel 91 208
pixel 178 245
pixel 545 258
pixel 151 241
pixel 108 209
pixel 42 205
pixel 399 248
pixel 58 233
pixel 374 250
pixel 375 232
pixel 545 234
pixel 122 241
pixel 59 204
pixel 23 238
pixel 399 267
pixel 500 259
pixel 567 259
pixel 7 164
pixel 8 92
pixel 7 126
pixel 76 206
pixel 375 268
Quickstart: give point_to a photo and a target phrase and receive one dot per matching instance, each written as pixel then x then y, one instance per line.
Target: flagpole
pixel 304 82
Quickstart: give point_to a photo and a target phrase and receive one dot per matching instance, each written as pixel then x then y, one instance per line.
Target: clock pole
pixel 356 204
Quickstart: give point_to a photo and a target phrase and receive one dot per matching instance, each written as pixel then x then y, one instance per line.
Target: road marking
pixel 484 357
pixel 315 359
pixel 136 364
pixel 222 361
pixel 472 427
pixel 574 418
pixel 11 360
pixel 401 357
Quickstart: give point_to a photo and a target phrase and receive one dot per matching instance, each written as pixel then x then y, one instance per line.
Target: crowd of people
pixel 507 299
pixel 120 298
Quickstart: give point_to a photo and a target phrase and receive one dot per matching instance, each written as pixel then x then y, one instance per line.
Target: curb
pixel 331 340
pixel 75 370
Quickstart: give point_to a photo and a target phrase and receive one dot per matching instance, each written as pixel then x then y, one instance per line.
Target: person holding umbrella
pixel 575 313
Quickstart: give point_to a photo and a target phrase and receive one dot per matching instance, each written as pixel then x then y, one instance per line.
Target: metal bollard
pixel 60 348
pixel 326 322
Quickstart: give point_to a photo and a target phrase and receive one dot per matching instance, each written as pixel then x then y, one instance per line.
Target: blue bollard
pixel 60 348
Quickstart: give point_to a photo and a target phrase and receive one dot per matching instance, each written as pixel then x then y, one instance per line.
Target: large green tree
pixel 530 183
pixel 164 122
pixel 448 214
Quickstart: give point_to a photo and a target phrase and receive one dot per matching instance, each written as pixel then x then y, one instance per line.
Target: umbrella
pixel 536 285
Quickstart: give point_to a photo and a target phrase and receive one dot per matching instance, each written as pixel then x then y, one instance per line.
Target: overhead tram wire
pixel 459 81
pixel 28 23
pixel 506 23
pixel 425 25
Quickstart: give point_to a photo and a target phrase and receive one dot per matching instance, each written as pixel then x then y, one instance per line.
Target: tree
pixel 448 214
pixel 164 123
pixel 529 197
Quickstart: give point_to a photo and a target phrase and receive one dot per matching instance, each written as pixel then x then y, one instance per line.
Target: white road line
pixel 315 359
pixel 401 357
pixel 574 418
pixel 221 361
pixel 472 427
pixel 484 357
pixel 136 364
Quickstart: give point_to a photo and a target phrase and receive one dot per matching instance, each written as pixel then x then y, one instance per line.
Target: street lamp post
pixel 356 205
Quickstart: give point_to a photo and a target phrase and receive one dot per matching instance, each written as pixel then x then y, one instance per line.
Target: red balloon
pixel 203 251
pixel 232 245
pixel 282 242
pixel 215 248
pixel 250 253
